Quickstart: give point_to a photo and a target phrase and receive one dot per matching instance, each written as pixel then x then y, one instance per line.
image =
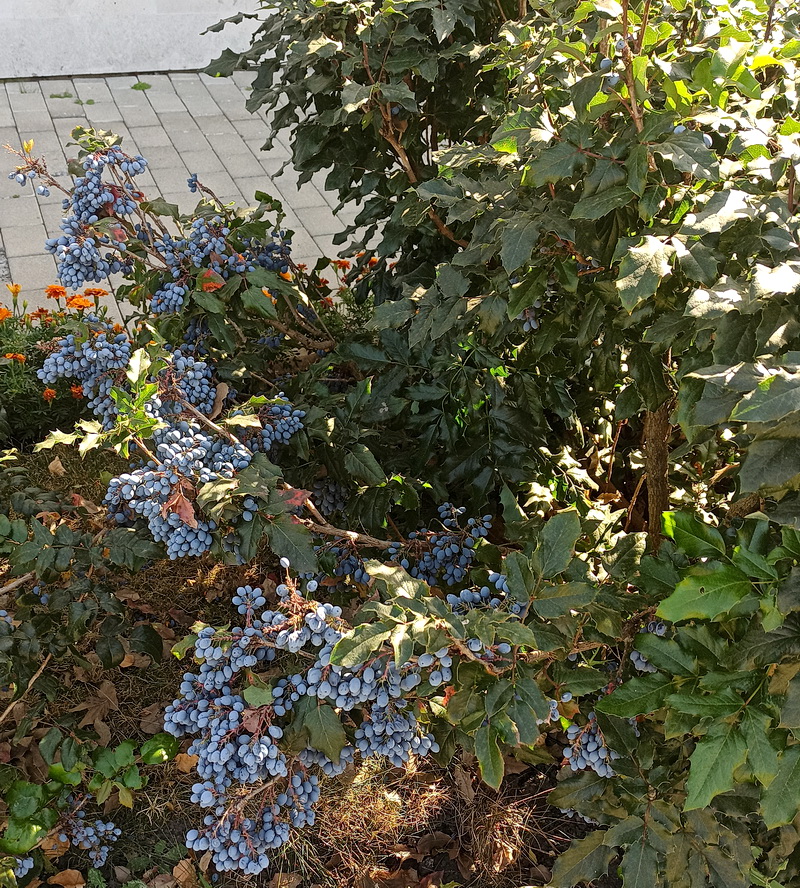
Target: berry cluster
pixel 98 363
pixel 254 790
pixel 329 496
pixel 588 748
pixel 640 662
pixel 442 556
pixel 23 866
pixel 92 837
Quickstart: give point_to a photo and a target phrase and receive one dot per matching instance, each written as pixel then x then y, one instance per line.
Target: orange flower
pixel 269 295
pixel 285 275
pixel 323 282
pixel 373 262
pixel 48 394
pixel 118 328
pixel 15 356
pixel 342 264
pixel 55 291
pixel 95 292
pixel 76 391
pixel 327 301
pixel 210 286
pixel 302 266
pixel 14 289
pixel 39 314
pixel 77 301
pixel 4 313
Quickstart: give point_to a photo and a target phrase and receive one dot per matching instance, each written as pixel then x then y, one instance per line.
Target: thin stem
pixel 19 699
pixel 15 584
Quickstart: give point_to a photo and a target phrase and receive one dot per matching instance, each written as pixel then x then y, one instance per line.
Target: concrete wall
pixel 56 38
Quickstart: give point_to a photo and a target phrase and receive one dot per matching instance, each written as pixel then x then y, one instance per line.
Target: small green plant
pixel 141 85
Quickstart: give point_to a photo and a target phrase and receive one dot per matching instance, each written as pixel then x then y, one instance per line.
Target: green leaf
pixel 688 153
pixel 356 647
pixel 666 654
pixel 258 693
pixel 774 399
pixel 159 749
pixel 639 696
pixel 518 240
pixel 717 705
pixel 762 756
pixel 489 756
pixel 552 602
pixel 709 591
pixel 208 301
pixel 362 465
pixel 712 765
pixel 556 162
pixel 256 302
pixel 556 542
pixel 642 269
pixel 292 540
pixel 49 744
pixel 584 861
pixel 598 205
pixel 325 731
pixel 24 799
pixel 145 640
pixel 640 865
pixel 781 800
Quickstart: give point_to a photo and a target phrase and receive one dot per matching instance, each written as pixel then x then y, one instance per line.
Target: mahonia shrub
pixel 548 454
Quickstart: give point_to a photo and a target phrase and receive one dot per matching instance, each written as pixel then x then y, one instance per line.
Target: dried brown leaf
pixel 52 847
pixel 435 841
pixel 151 719
pixel 185 874
pixel 285 880
pixel 463 780
pixel 56 468
pixel 67 879
pixel 186 763
pixel 219 399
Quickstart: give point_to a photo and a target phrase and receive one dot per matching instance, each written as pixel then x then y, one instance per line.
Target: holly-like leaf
pixel 159 749
pixel 362 465
pixel 584 861
pixel 780 802
pixel 713 763
pixel 489 756
pixel 643 267
pixel 518 240
pixel 639 696
pixel 707 592
pixel 325 731
pixel 292 540
pixel 556 542
pixel 356 647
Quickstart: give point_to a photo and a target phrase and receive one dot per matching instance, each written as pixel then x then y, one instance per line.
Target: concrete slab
pixel 186 122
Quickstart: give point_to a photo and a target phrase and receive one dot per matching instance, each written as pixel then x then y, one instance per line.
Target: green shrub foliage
pixel 579 323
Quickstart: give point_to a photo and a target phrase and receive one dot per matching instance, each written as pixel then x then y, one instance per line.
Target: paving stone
pixel 299 197
pixel 184 122
pixel 34 273
pixel 147 137
pixel 319 221
pixel 21 209
pixel 139 115
pixel 32 121
pixel 24 240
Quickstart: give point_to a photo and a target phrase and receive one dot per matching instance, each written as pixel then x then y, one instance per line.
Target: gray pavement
pixel 183 123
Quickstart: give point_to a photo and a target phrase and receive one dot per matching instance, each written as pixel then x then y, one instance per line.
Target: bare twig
pixel 36 675
pixel 15 584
